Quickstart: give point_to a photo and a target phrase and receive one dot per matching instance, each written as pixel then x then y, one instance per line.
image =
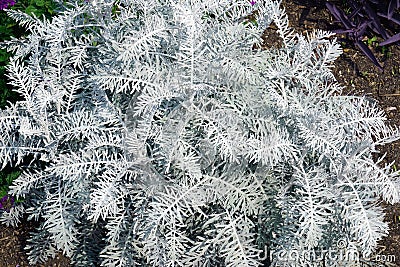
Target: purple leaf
pixel 6 4
pixel 375 21
pixel 355 12
pixel 340 16
pixel 340 31
pixel 354 4
pixel 6 202
pixel 364 48
pixel 359 33
pixel 395 18
pixel 390 40
pixel 391 8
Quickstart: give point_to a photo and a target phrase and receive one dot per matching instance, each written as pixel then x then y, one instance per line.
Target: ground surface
pixel 12 243
pixel 358 76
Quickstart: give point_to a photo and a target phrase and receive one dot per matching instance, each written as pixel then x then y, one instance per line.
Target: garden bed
pixel 353 71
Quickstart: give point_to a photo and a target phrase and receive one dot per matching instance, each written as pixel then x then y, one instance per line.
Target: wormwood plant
pixel 159 133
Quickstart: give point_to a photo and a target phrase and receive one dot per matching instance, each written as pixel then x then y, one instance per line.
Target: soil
pixel 354 72
pixel 13 242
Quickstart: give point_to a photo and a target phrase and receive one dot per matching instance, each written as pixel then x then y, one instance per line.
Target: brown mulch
pixel 12 252
pixel 354 72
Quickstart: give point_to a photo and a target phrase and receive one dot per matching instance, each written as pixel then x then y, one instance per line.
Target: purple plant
pixel 6 202
pixel 6 3
pixel 369 17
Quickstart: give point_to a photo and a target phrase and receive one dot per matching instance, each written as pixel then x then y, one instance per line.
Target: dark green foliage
pixel 8 28
pixel 6 178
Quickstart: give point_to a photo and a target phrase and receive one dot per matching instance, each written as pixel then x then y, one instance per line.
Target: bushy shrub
pixel 159 133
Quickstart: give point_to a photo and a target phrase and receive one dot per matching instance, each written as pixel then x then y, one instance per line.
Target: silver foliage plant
pixel 160 133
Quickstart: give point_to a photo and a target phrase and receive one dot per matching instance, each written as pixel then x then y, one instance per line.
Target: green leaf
pixel 39 2
pixel 12 176
pixel 3 191
pixel 11 24
pixel 31 9
pixel 4 56
pixel 5 30
pixel 50 7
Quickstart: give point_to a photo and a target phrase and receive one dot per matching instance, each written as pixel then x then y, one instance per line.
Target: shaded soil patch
pixel 12 244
